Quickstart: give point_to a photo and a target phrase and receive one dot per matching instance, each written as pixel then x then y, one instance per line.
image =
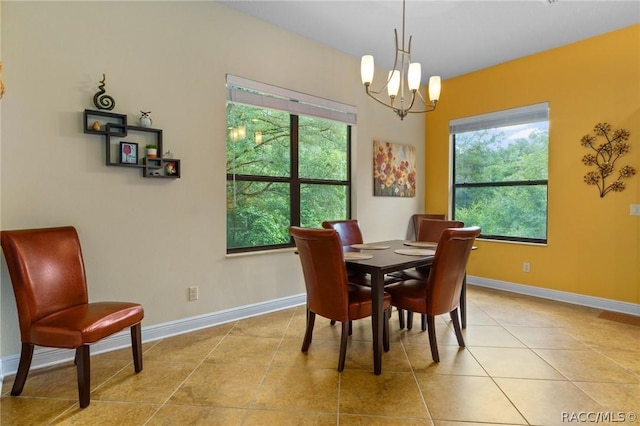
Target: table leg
pixel 463 303
pixel 377 318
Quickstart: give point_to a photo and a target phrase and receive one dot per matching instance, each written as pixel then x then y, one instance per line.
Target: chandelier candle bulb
pixel 434 88
pixel 415 73
pixel 394 83
pixel 367 69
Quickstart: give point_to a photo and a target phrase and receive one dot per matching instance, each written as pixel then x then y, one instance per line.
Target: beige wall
pixel 148 240
pixel 593 243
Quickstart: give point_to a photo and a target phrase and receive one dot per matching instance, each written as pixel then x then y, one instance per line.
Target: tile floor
pixel 527 361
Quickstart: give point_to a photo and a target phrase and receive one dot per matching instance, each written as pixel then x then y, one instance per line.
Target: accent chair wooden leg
pixel 83 361
pixel 308 334
pixel 401 318
pixel 332 322
pixel 423 317
pixel 463 302
pixel 409 320
pixel 343 345
pixel 136 346
pixel 431 327
pixel 26 354
pixel 456 327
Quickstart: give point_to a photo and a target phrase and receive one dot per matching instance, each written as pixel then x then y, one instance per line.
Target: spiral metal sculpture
pixel 102 101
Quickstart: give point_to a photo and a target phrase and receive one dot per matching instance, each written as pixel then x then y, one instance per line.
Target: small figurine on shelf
pixel 145 119
pixel 95 126
pixel 102 100
pixel 152 151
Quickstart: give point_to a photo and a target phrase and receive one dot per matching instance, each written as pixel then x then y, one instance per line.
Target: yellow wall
pixel 593 243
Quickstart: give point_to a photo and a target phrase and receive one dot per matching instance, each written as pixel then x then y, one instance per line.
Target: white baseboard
pixel 560 296
pixel 44 357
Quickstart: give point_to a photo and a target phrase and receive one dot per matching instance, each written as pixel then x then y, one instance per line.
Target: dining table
pixel 386 257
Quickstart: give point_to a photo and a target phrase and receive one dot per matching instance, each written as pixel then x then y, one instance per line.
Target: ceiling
pixel 451 37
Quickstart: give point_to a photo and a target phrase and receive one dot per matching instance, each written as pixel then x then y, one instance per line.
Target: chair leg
pixel 136 346
pixel 23 368
pixel 332 322
pixel 456 327
pixel 424 322
pixel 409 320
pixel 401 318
pixel 350 327
pixel 343 345
pixel 431 326
pixel 308 334
pixel 83 361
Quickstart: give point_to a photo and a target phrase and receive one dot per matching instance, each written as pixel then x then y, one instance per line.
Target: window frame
pixel 325 111
pixel 509 117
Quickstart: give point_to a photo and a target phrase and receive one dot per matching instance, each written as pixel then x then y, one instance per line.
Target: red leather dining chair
pixel 348 230
pixel 49 282
pixel 350 233
pixel 440 292
pixel 329 294
pixel 416 218
pixel 427 230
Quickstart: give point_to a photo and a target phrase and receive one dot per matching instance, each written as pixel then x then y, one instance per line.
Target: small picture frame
pixel 128 153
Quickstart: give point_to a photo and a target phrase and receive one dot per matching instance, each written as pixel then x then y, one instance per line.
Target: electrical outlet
pixel 526 267
pixel 193 293
pixel 635 210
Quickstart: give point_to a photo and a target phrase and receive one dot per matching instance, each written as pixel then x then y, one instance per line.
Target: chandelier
pixel 403 82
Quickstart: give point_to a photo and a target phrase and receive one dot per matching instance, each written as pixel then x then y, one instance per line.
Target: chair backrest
pixel 47 272
pixel 416 218
pixel 431 229
pixel 447 272
pixel 348 230
pixel 325 273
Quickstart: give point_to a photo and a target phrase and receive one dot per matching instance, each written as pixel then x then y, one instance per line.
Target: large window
pixel 288 163
pixel 500 173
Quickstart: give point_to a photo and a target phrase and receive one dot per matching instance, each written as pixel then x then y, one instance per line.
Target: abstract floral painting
pixel 394 170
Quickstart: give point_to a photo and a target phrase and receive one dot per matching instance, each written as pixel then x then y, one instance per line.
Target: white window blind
pixel 507 117
pixel 249 92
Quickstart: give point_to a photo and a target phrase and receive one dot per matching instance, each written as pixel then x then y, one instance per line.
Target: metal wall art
pixel 604 158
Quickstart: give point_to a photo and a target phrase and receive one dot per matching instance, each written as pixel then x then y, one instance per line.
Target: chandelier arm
pixel 413 99
pixel 429 107
pixel 379 101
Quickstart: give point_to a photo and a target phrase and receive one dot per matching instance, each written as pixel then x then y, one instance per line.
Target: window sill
pixel 260 252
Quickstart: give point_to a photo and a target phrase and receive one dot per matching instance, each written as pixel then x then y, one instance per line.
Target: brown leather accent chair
pixel 416 218
pixel 329 294
pixel 432 229
pixel 49 282
pixel 440 292
pixel 348 230
pixel 428 230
